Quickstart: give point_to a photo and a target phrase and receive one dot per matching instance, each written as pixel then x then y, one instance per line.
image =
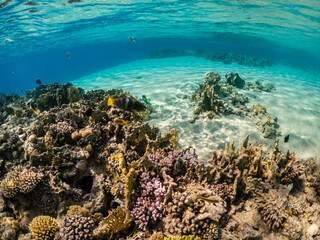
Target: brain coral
pixel 43 227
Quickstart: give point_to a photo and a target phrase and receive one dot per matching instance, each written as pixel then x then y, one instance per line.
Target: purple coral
pixel 168 158
pixel 147 199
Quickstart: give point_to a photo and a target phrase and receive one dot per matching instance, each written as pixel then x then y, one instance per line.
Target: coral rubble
pixel 74 173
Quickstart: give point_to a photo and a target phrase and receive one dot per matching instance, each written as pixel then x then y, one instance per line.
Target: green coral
pixel 185 237
pixel 117 221
pixel 43 227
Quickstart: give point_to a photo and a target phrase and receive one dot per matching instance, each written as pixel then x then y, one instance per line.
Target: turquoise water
pixel 36 35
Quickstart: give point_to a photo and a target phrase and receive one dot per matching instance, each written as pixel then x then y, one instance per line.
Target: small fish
pixel 38 81
pixel 120 121
pixel 208 199
pixel 68 55
pixel 34 108
pixel 133 39
pixel 87 112
pixel 129 104
pixel 146 99
pixel 286 138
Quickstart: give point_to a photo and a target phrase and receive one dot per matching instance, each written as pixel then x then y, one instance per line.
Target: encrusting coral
pixel 43 227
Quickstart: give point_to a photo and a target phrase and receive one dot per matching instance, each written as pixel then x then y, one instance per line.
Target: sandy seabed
pixel 169 83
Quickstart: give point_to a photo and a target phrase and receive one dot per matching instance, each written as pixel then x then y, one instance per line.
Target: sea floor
pixel 169 83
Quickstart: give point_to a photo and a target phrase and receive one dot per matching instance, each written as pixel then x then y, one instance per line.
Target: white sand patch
pixel 167 81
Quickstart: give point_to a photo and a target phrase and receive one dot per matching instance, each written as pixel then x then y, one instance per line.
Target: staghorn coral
pixel 43 227
pixel 117 221
pixel 20 180
pixel 147 199
pixel 77 228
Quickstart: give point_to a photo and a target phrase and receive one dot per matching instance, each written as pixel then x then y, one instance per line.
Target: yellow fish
pixel 120 121
pixel 34 108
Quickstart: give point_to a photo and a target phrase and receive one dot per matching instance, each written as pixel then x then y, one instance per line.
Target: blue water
pixel 34 44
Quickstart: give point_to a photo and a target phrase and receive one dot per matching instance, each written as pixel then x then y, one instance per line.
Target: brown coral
pixel 272 207
pixel 22 180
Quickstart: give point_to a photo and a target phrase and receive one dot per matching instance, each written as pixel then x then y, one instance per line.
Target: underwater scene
pixel 159 120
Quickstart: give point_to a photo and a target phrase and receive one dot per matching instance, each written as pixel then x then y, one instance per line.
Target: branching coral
pixel 195 211
pixel 43 227
pixel 77 228
pixel 117 221
pixel 147 199
pixel 283 168
pixel 22 180
pixel 272 207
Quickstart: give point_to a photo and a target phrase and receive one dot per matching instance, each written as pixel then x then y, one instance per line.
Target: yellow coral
pixel 185 237
pixel 118 220
pixel 43 227
pixel 131 178
pixel 129 174
pixel 78 210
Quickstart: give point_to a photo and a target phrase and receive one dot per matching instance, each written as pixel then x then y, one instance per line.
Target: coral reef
pixel 189 237
pixel 20 180
pixel 234 79
pixel 117 221
pixel 217 98
pixel 77 228
pixel 147 199
pixel 265 122
pixel 216 56
pixel 97 179
pixel 43 227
